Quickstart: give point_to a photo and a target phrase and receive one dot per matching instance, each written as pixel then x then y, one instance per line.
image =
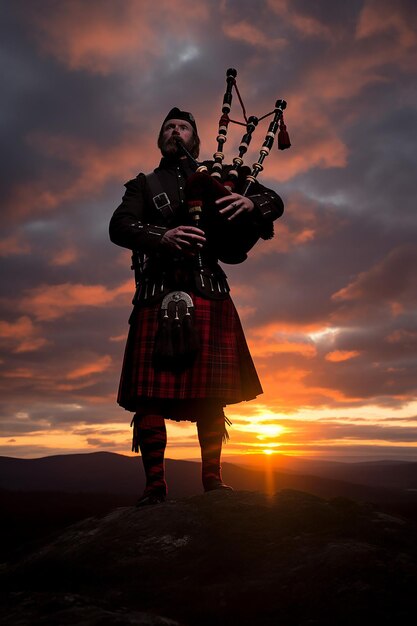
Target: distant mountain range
pixel 393 474
pixel 42 496
pixel 109 473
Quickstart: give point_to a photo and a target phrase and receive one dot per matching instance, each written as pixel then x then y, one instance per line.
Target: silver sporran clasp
pixel 177 342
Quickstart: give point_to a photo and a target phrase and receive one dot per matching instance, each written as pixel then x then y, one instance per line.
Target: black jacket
pixel 138 225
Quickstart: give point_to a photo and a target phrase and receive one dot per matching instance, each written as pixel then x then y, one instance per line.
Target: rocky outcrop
pixel 222 558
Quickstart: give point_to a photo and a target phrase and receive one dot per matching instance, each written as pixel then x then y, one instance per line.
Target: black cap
pixel 177 114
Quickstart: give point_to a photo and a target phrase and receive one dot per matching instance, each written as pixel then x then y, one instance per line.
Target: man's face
pixel 172 130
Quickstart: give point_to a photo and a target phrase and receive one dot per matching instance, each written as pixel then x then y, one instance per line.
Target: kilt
pixel 222 372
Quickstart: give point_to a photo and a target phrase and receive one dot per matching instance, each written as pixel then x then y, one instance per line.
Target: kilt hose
pixel 222 372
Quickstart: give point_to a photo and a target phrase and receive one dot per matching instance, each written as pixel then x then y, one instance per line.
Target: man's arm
pixel 129 227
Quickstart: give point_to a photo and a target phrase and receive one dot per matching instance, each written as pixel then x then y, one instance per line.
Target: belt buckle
pixel 161 201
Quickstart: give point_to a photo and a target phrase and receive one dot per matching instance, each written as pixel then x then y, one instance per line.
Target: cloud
pixel 65 256
pixel 336 356
pixel 49 302
pixel 95 367
pixel 305 221
pixel 378 18
pixel 328 430
pixel 101 442
pixel 21 335
pixel 306 25
pixel 321 148
pixel 87 171
pixel 391 281
pixel 268 340
pixel 403 337
pixel 103 37
pixel 14 245
pixel 250 34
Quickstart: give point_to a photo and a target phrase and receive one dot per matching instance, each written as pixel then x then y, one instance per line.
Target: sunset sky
pixel 328 306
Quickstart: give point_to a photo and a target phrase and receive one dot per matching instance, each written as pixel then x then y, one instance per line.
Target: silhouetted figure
pixel 186 356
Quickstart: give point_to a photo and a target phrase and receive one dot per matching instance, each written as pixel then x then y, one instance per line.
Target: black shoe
pixel 152 497
pixel 217 484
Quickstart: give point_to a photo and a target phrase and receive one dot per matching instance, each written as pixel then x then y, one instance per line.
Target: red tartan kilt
pixel 223 370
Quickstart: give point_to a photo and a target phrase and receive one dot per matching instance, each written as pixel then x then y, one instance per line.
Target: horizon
pixel 328 305
pixel 254 460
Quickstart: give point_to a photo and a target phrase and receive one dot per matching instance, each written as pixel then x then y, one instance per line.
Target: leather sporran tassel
pixel 177 337
pixel 283 136
pixel 163 341
pixel 191 338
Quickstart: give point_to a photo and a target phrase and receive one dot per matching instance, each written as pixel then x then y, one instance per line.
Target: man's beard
pixel 170 147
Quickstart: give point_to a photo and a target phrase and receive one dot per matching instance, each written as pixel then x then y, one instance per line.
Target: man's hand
pixel 186 239
pixel 235 204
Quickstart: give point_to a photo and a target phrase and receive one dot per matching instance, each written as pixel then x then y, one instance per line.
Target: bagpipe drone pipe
pixel 231 239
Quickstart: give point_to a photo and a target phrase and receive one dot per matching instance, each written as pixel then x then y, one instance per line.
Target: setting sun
pixel 268 430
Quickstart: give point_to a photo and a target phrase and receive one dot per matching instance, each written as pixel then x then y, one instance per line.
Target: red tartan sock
pixel 210 435
pixel 152 439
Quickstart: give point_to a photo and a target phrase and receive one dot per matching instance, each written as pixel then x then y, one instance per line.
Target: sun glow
pixel 264 424
pixel 268 430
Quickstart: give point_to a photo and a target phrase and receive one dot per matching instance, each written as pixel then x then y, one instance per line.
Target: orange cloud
pixel 378 18
pixel 268 347
pixel 387 280
pixel 118 338
pixel 368 61
pixel 95 367
pixel 267 340
pixel 65 256
pixel 95 169
pixel 286 390
pixel 316 141
pixel 397 308
pixel 308 222
pixel 341 355
pixel 103 37
pixel 22 335
pixel 14 245
pixel 401 335
pixel 324 151
pixel 294 329
pixel 49 302
pixel 20 372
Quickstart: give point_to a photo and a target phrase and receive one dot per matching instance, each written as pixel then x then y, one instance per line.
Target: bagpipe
pixel 232 238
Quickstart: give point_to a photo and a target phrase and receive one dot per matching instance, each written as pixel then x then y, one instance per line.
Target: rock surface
pixel 222 558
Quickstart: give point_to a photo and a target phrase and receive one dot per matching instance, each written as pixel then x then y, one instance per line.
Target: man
pixel 186 356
